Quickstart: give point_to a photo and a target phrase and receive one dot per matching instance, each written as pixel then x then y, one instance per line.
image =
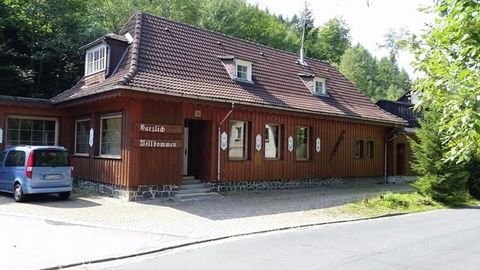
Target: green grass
pixel 389 203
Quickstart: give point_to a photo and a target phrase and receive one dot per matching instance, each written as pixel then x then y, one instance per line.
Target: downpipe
pixel 219 140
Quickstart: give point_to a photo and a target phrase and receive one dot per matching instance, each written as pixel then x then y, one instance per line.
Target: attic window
pixel 95 59
pixel 320 87
pixel 243 70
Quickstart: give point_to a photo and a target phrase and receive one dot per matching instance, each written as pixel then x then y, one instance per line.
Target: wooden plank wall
pixel 327 163
pixel 93 167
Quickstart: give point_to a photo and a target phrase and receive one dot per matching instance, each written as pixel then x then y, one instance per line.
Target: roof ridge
pixel 135 50
pixel 233 37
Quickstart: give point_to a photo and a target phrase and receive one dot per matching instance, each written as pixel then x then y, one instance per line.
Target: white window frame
pixel 323 91
pixel 110 116
pixel 75 142
pixel 32 118
pixel 246 64
pixel 102 63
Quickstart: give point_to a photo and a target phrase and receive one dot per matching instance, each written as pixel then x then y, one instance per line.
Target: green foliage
pixel 377 79
pixel 332 40
pixel 448 55
pixel 445 182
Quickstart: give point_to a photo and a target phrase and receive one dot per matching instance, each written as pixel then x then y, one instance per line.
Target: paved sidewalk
pixel 117 228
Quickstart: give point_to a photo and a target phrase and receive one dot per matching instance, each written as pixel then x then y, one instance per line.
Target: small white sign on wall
pixel 318 145
pixel 224 141
pixel 1 135
pixel 90 138
pixel 290 144
pixel 258 142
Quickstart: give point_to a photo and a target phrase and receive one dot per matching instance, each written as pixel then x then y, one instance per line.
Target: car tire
pixel 64 195
pixel 18 194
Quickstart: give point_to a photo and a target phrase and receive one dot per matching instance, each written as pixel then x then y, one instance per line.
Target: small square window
pixel 243 70
pixel 320 87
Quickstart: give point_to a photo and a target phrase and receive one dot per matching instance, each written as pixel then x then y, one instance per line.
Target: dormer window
pixel 319 87
pixel 243 70
pixel 96 59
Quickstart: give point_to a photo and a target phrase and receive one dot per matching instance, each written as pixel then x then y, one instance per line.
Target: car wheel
pixel 18 193
pixel 64 195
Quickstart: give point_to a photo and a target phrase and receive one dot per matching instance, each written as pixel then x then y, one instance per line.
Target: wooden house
pixel 161 100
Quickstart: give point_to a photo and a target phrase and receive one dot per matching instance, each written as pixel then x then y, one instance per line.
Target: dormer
pixel 238 69
pixel 315 84
pixel 103 55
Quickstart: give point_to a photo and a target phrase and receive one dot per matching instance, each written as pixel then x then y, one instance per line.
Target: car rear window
pixel 50 158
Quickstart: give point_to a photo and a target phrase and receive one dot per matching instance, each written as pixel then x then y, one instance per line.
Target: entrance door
pixel 185 151
pixel 400 159
pixel 198 151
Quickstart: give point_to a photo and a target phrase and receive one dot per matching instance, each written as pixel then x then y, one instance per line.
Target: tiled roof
pixel 174 58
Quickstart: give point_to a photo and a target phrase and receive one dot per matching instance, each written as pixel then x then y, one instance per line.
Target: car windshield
pixel 50 158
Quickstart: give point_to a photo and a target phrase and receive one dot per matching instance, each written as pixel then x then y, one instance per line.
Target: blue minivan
pixel 36 169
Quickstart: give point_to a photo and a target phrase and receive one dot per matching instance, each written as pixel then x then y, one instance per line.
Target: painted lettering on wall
pixel 159 128
pixel 148 143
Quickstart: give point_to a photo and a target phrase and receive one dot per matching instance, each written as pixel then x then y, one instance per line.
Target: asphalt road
pixel 446 239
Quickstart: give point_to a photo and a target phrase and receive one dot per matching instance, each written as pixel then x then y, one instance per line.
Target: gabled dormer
pixel 238 69
pixel 317 85
pixel 103 55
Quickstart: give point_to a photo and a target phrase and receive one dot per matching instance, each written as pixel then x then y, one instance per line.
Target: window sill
pixel 81 155
pixel 321 95
pixel 303 160
pixel 238 159
pixel 108 157
pixel 272 159
pixel 242 81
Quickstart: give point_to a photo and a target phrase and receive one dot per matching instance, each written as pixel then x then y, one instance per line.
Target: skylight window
pixel 320 87
pixel 243 70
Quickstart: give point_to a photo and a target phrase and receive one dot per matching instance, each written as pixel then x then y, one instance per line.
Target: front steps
pixel 194 189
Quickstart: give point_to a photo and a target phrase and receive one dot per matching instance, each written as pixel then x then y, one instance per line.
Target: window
pixel 243 70
pixel 95 59
pixel 31 131
pixel 272 141
pixel 370 150
pixel 319 87
pixel 2 157
pixel 15 159
pixel 111 128
pixel 50 158
pixel 359 149
pixel 237 145
pixel 301 143
pixel 82 135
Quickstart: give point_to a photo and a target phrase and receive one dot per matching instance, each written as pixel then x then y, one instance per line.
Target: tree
pixel 332 41
pixel 448 55
pixel 359 66
pixel 445 182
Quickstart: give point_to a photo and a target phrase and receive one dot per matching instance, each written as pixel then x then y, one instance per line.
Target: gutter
pixel 218 149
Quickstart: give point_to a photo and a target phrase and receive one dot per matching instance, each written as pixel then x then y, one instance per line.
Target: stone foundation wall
pixel 290 184
pixel 142 192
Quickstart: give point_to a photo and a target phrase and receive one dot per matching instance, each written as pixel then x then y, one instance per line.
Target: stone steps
pixel 193 189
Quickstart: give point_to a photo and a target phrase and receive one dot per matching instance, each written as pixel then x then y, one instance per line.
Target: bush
pixel 474 178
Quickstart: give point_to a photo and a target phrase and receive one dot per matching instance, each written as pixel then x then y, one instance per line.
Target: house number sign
pixel 258 142
pixel 90 138
pixel 290 144
pixel 1 135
